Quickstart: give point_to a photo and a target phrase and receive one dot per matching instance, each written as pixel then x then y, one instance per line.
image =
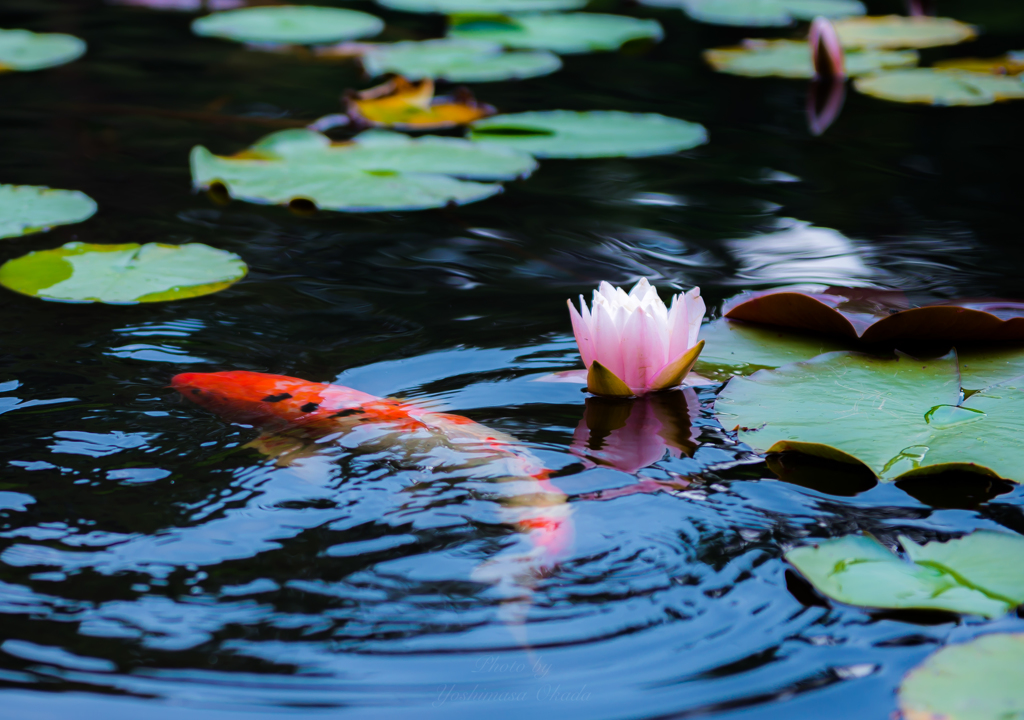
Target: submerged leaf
pixel 977 680
pixel 933 86
pixel 406 105
pixel 376 171
pixel 455 61
pixel 761 13
pixel 977 574
pixel 454 7
pixel 563 33
pixel 22 50
pixel 896 31
pixel 899 417
pixel 288 24
pixel 792 58
pixel 26 209
pixel 599 133
pixel 121 274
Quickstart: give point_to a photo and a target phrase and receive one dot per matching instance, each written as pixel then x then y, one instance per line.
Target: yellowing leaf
pixel 399 103
pixel 1011 64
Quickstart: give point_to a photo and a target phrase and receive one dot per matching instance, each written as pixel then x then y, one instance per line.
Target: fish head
pixel 253 398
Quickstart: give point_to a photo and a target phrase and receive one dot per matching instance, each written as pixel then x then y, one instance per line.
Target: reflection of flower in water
pixel 632 434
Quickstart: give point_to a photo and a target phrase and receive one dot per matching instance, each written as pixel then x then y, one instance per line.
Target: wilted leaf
pixel 28 209
pixel 22 50
pixel 899 417
pixel 377 171
pixel 454 7
pixel 599 133
pixel 563 33
pixel 977 680
pixel 120 274
pixel 933 86
pixel 406 105
pixel 288 24
pixel 455 61
pixel 977 574
pixel 896 31
pixel 761 13
pixel 792 58
pixel 880 316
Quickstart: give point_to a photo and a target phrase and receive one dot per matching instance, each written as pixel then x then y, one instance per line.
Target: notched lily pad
pixel 563 33
pixel 874 316
pixel 899 417
pixel 977 680
pixel 977 574
pixel 26 209
pixel 897 31
pixel 935 86
pixel 792 59
pixel 761 13
pixel 377 171
pixel 454 7
pixel 406 105
pixel 599 133
pixel 23 50
pixel 288 24
pixel 122 274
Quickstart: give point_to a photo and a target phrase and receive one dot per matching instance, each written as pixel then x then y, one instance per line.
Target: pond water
pixel 152 564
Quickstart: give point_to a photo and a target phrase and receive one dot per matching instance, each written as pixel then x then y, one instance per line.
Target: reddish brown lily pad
pixel 879 316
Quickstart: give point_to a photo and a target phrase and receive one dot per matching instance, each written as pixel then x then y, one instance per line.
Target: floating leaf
pixel 879 316
pixel 977 680
pixel 792 58
pixel 978 574
pixel 933 86
pixel 120 274
pixel 22 50
pixel 899 417
pixel 739 348
pixel 1009 64
pixel 377 171
pixel 896 31
pixel 26 209
pixel 563 33
pixel 456 61
pixel 984 366
pixel 288 24
pixel 599 133
pixel 454 7
pixel 401 104
pixel 761 13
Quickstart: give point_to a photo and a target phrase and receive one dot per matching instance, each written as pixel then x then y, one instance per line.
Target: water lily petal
pixel 676 371
pixel 695 309
pixel 602 381
pixel 607 340
pixel 584 337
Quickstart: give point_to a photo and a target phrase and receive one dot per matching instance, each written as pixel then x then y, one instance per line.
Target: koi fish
pixel 300 418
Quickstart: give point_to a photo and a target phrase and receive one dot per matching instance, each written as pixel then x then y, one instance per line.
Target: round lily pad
pixel 598 133
pixel 896 31
pixel 933 86
pixel 121 274
pixel 23 50
pixel 563 33
pixel 457 61
pixel 26 209
pixel 761 13
pixel 288 24
pixel 978 680
pixel 792 59
pixel 454 7
pixel 977 574
pixel 378 171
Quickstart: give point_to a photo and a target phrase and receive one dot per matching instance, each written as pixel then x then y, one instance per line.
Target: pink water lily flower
pixel 632 344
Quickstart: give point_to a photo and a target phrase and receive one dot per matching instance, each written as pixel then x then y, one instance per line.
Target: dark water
pixel 151 566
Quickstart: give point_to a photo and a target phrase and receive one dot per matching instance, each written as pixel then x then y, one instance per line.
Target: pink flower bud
pixel 826 50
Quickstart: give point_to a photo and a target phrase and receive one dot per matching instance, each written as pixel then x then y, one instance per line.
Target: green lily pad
pixel 896 31
pixel 563 33
pixel 977 680
pixel 454 7
pixel 899 417
pixel 935 86
pixel 792 59
pixel 739 348
pixel 457 61
pixel 377 171
pixel 122 274
pixel 23 50
pixel 288 24
pixel 761 13
pixel 982 367
pixel 26 209
pixel 977 574
pixel 598 133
